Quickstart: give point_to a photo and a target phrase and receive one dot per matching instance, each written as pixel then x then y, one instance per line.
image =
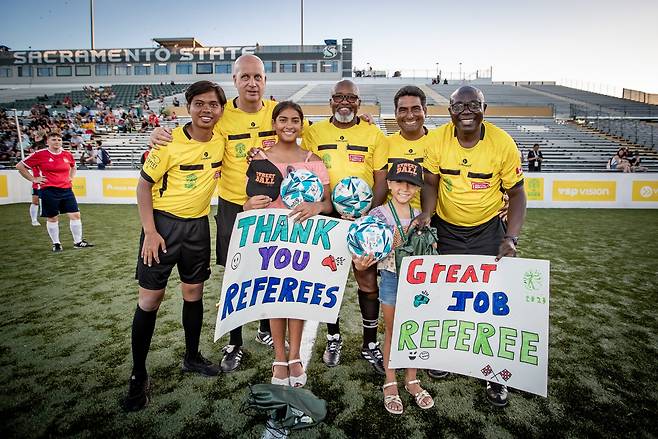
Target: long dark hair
pixel 284 105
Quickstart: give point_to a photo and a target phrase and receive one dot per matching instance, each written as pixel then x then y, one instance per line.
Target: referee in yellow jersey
pixel 350 147
pixel 469 165
pixel 174 191
pixel 245 124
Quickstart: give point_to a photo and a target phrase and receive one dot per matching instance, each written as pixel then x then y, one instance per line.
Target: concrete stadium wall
pixel 500 111
pixel 554 190
pixel 325 110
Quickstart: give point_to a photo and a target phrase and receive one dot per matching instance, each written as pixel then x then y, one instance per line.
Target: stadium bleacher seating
pixel 584 144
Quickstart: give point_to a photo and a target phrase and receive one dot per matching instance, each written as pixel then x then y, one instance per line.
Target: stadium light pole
pixel 91 21
pixel 301 16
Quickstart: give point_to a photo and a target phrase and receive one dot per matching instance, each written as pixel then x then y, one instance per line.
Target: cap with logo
pixel 405 170
pixel 264 179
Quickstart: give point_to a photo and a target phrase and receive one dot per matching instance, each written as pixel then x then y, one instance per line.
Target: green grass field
pixel 65 343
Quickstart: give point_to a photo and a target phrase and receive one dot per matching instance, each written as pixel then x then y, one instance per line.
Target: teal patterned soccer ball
pixel 301 185
pixel 370 235
pixel 352 196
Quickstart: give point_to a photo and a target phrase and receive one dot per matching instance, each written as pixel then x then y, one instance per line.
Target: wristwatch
pixel 514 239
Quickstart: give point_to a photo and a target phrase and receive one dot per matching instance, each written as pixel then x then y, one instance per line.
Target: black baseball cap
pixel 406 170
pixel 264 179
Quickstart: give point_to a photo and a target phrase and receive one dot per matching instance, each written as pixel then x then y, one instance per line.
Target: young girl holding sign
pixel 265 174
pixel 404 178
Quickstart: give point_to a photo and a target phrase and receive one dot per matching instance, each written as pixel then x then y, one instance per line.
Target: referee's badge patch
pixel 477 185
pixel 268 142
pixel 358 158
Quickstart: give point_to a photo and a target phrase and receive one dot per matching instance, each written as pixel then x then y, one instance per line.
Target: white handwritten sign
pixel 474 316
pixel 277 268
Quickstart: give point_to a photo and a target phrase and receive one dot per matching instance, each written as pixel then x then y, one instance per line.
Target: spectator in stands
pixel 102 156
pixel 88 157
pixel 479 231
pixel 634 160
pixel 153 120
pixel 535 157
pixel 175 102
pixel 618 162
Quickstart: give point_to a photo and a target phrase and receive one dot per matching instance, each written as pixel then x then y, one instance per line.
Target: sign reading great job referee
pixel 474 316
pixel 277 268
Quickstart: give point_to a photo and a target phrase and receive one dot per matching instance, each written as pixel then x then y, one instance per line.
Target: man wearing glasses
pixel 350 147
pixel 470 164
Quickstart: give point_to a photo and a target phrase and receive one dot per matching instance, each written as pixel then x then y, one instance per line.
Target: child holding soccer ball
pixel 404 179
pixel 265 174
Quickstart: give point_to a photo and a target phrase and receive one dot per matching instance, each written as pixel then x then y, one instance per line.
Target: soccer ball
pixel 352 196
pixel 369 235
pixel 301 185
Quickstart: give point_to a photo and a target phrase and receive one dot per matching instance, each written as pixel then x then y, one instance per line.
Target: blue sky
pixel 597 44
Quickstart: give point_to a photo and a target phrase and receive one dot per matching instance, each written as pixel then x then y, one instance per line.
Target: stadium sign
pixel 160 54
pixel 474 316
pixel 278 268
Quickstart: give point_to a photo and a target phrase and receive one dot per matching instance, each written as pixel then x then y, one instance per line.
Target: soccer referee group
pixel 471 166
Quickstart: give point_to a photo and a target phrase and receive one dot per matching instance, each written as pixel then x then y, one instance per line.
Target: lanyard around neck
pixel 397 218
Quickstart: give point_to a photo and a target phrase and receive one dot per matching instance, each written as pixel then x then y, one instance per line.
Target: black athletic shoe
pixel 200 365
pixel 497 394
pixel 232 358
pixel 437 374
pixel 373 355
pixel 331 356
pixel 265 337
pixel 137 397
pixel 57 248
pixel 83 244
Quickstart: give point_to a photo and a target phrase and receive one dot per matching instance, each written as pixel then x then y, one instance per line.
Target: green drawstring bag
pixel 418 242
pixel 290 408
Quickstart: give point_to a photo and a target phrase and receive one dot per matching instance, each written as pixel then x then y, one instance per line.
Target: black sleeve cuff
pixel 146 177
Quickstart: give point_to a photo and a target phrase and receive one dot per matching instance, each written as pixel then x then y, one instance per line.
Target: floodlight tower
pixel 91 21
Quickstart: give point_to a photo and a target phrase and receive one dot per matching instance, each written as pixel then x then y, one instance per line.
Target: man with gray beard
pixel 350 147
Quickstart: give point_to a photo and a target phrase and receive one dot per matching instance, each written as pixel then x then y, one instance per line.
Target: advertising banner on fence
pixel 474 316
pixel 277 268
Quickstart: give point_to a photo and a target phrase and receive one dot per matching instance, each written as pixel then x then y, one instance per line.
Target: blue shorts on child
pixel 388 287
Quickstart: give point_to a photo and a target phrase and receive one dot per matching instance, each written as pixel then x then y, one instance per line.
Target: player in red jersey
pixel 57 169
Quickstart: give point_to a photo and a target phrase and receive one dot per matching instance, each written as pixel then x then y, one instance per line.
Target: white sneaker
pixel 36 223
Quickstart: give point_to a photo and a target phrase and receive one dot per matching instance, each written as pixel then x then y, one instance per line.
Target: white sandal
pixel 297 381
pixel 420 396
pixel 280 381
pixel 388 399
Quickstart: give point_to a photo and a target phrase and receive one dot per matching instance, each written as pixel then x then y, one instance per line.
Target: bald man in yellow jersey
pixel 469 164
pixel 351 147
pixel 245 124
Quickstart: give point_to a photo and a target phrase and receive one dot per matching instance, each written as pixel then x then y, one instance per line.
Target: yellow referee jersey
pixel 184 174
pixel 400 148
pixel 242 131
pixel 350 152
pixel 471 178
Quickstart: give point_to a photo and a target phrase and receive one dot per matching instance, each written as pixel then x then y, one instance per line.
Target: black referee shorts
pixel 188 246
pixel 55 200
pixel 225 218
pixel 484 239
